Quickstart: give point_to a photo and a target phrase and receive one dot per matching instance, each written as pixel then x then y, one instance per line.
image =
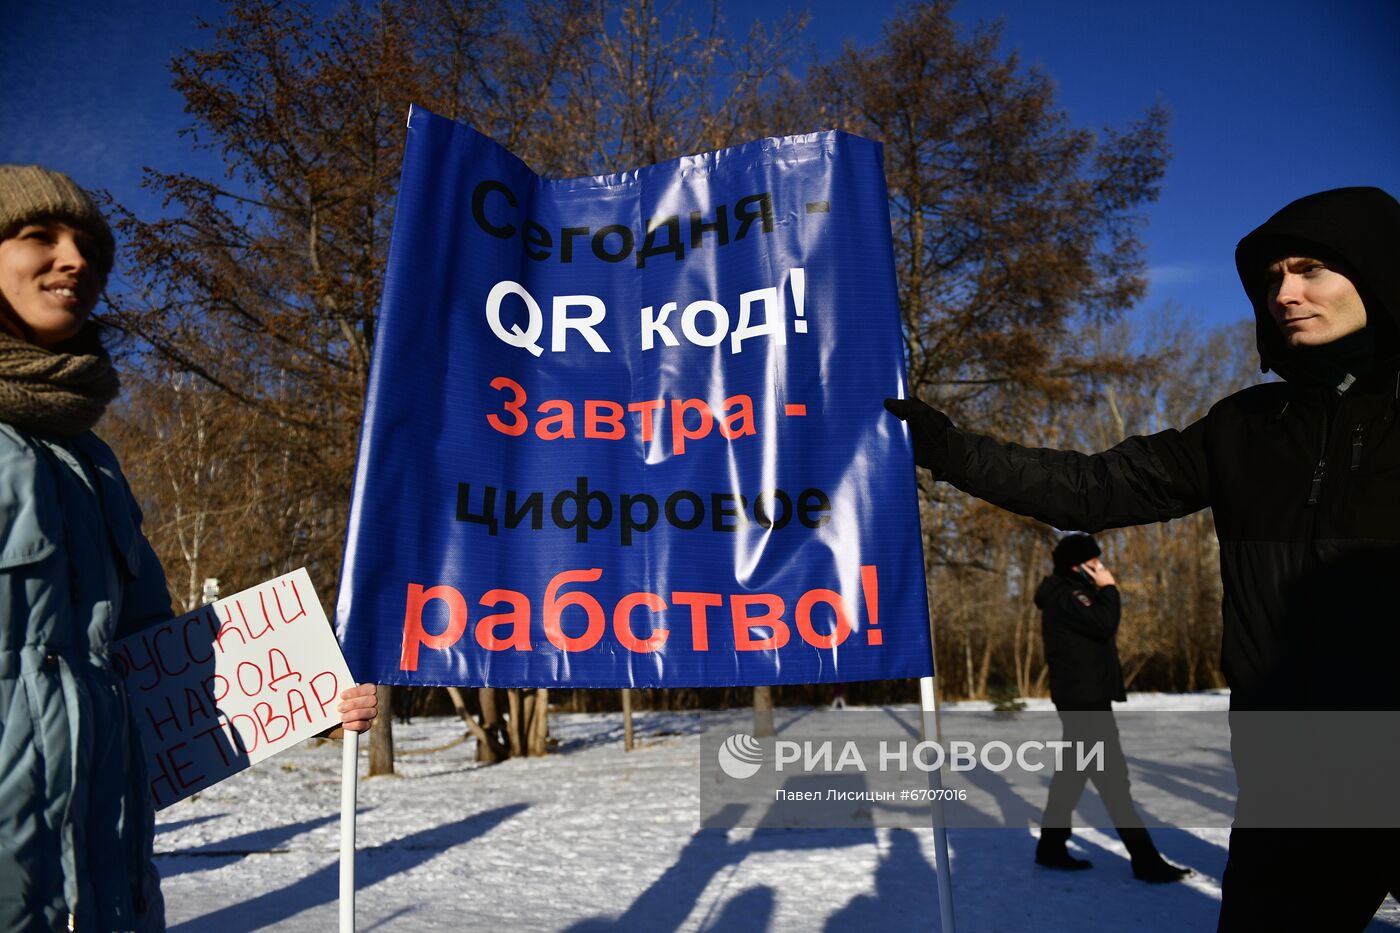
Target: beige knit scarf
pixel 55 392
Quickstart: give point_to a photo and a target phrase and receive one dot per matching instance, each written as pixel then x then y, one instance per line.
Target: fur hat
pixel 1073 550
pixel 31 192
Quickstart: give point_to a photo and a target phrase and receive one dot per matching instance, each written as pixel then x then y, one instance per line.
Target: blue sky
pixel 1269 100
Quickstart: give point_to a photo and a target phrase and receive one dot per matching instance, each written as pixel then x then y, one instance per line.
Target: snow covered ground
pixel 594 839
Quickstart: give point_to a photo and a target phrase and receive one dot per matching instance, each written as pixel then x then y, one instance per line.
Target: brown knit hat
pixel 31 192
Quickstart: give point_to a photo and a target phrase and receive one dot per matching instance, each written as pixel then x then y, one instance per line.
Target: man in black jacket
pixel 1079 611
pixel 1303 477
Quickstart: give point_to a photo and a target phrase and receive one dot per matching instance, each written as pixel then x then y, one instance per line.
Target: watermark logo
pixel 863 768
pixel 740 756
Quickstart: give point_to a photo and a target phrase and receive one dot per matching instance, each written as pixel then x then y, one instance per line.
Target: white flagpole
pixel 929 705
pixel 349 779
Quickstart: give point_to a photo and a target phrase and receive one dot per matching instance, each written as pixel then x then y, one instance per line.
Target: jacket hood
pixel 1354 230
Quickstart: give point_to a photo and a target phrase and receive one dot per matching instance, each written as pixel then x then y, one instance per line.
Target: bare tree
pixel 198 475
pixel 1008 221
pixel 256 295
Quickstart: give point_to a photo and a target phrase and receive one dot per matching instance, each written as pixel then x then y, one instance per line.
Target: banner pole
pixel 942 867
pixel 349 779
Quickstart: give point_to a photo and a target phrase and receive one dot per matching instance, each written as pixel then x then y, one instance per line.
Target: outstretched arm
pixel 1140 480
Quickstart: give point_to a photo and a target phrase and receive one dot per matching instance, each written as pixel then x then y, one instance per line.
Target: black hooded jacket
pixel 1079 623
pixel 1304 482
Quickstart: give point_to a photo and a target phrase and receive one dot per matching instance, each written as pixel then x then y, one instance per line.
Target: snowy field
pixel 594 839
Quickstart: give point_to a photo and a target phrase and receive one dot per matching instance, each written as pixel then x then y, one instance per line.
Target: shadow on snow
pixel 372 866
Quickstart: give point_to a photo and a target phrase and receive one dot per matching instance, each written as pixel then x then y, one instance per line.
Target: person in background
pixel 1079 611
pixel 1303 480
pixel 76 574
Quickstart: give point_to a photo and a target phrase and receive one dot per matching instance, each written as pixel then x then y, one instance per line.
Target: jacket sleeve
pixel 146 600
pixel 1097 620
pixel 1140 480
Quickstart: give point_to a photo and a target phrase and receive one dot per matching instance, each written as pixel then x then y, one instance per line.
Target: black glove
pixel 929 427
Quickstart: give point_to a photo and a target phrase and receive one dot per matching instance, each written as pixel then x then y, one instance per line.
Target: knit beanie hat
pixel 1073 550
pixel 30 192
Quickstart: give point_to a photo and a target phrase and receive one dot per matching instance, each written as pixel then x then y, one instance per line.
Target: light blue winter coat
pixel 76 821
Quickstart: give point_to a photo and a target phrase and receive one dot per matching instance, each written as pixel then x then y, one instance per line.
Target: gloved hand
pixel 929 427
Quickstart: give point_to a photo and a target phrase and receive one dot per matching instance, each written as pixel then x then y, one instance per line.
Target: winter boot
pixel 1050 851
pixel 1148 864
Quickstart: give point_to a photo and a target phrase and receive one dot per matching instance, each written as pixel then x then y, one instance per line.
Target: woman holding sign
pixel 76 820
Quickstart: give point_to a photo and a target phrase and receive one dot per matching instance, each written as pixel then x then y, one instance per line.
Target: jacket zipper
pixel 1315 491
pixel 1356 438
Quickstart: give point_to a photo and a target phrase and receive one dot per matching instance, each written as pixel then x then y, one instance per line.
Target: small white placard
pixel 232 683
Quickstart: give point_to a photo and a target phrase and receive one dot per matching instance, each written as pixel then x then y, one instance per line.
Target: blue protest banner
pixel 626 431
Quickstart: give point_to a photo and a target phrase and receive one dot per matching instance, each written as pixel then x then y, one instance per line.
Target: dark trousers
pixel 1319 766
pixel 1319 880
pixel 1087 727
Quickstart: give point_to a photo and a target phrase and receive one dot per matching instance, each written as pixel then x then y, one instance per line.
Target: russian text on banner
pixel 627 430
pixel 232 683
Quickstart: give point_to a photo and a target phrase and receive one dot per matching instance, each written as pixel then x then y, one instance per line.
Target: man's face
pixel 1312 304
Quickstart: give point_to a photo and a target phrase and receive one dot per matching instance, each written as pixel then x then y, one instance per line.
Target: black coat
pixel 1079 623
pixel 1304 484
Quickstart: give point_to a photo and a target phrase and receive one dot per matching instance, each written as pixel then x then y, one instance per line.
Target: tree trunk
pixel 538 735
pixel 486 698
pixel 381 737
pixel 493 724
pixel 986 673
pixel 488 748
pixel 762 711
pixel 971 683
pixel 1027 663
pixel 513 723
pixel 626 720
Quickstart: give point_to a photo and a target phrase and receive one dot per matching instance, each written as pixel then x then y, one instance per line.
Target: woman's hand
pixel 358 707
